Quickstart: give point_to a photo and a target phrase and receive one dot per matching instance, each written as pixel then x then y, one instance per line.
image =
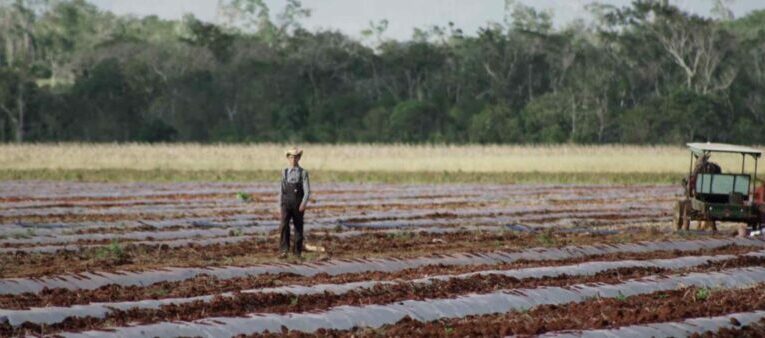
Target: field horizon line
pixel 330 176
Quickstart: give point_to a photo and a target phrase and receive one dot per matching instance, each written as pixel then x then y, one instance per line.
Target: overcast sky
pixel 352 16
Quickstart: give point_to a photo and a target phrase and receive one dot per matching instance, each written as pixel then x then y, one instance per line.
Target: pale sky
pixel 352 16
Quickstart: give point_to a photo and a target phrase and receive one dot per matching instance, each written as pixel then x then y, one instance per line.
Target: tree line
pixel 642 74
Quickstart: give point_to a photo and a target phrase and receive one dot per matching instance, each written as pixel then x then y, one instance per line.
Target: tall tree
pixel 254 15
pixel 21 55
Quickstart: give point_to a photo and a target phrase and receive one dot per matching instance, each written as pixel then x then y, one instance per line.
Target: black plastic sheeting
pixel 672 329
pixel 89 280
pixel 52 315
pixel 347 317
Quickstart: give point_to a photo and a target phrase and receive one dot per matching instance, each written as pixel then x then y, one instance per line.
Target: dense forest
pixel 644 74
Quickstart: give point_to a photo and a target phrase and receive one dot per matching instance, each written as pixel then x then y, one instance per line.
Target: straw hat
pixel 294 151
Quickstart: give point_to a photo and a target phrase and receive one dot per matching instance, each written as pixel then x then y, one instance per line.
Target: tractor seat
pixel 722 188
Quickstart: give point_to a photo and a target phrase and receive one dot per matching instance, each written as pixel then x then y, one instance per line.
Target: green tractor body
pixel 715 196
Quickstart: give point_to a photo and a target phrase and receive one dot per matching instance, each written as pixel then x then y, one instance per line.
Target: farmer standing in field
pixel 293 199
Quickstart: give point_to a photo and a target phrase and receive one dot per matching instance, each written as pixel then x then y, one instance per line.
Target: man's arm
pixel 306 191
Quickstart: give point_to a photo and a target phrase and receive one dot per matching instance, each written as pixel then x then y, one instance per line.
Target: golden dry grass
pixel 352 158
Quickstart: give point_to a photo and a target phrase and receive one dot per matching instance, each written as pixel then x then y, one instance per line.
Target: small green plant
pixel 243 196
pixel 401 235
pixel 448 330
pixel 545 239
pixel 20 235
pixel 235 232
pixel 621 297
pixel 622 240
pixel 655 230
pixel 590 298
pixel 702 294
pixel 295 300
pixel 114 251
pixel 159 292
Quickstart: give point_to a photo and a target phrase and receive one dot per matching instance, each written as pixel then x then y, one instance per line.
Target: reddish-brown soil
pixel 631 210
pixel 753 330
pixel 116 217
pixel 95 216
pixel 122 230
pixel 168 197
pixel 388 203
pixel 600 313
pixel 244 303
pixel 204 285
pixel 261 250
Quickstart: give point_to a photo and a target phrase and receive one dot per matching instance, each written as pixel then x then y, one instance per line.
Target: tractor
pixel 711 195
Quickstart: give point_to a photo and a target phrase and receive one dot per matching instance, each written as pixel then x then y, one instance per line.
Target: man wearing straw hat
pixel 293 198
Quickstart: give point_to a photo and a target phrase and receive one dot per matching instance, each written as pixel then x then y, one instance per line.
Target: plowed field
pixel 200 259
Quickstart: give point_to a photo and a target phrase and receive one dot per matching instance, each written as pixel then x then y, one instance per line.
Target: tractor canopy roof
pixel 700 148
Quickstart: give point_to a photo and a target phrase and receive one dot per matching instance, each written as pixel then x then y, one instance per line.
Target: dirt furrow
pixel 259 250
pixel 347 317
pixel 244 303
pixel 599 313
pixel 752 330
pixel 208 285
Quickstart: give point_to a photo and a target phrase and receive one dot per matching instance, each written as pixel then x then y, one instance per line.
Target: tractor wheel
pixel 678 216
pixel 708 225
pixel 750 228
pixel 681 220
